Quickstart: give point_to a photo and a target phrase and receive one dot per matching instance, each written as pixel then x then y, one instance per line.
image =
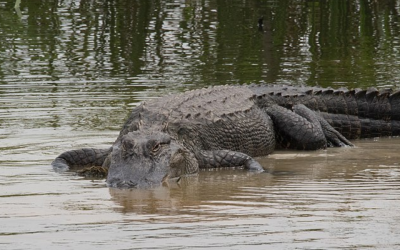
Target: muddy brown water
pixel 70 72
pixel 327 199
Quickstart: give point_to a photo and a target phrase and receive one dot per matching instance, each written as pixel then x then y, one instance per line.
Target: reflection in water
pixel 71 70
pixel 188 194
pixel 62 57
pixel 325 199
pixel 175 43
pixel 153 201
pixel 327 176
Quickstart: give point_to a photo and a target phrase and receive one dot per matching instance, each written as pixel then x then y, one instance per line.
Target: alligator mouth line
pixel 145 183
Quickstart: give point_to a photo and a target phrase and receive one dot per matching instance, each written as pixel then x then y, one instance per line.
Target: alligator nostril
pixel 132 184
pixel 127 184
pixel 118 183
pixel 114 183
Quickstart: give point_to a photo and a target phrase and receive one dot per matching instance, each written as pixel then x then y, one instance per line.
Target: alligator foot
pixel 227 158
pixel 93 171
pixel 333 137
pixel 80 159
pixel 302 128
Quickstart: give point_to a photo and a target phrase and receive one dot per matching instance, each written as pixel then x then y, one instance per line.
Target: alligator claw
pixel 253 165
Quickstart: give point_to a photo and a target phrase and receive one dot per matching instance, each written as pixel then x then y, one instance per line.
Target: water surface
pixel 70 72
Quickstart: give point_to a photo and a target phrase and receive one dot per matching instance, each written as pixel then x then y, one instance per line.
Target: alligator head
pixel 146 159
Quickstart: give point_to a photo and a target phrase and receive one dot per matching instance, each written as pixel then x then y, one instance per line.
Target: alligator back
pixel 220 117
pixel 354 113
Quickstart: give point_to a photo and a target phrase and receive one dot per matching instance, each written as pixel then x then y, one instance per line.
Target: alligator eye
pixel 156 148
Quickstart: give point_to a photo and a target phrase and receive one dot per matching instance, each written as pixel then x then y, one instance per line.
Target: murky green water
pixel 70 72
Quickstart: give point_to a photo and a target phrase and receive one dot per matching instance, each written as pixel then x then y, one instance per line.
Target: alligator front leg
pixel 302 128
pixel 86 161
pixel 227 158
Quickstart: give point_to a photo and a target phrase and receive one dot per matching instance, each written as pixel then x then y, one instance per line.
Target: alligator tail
pixel 355 113
pixel 80 158
pixel 361 113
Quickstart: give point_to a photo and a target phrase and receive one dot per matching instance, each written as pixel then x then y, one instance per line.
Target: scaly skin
pixel 226 126
pixel 354 113
pixel 81 158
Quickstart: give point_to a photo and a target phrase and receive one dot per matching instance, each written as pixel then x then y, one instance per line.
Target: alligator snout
pixel 117 183
pixel 144 183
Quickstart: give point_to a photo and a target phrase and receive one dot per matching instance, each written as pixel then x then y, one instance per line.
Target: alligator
pixel 227 126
